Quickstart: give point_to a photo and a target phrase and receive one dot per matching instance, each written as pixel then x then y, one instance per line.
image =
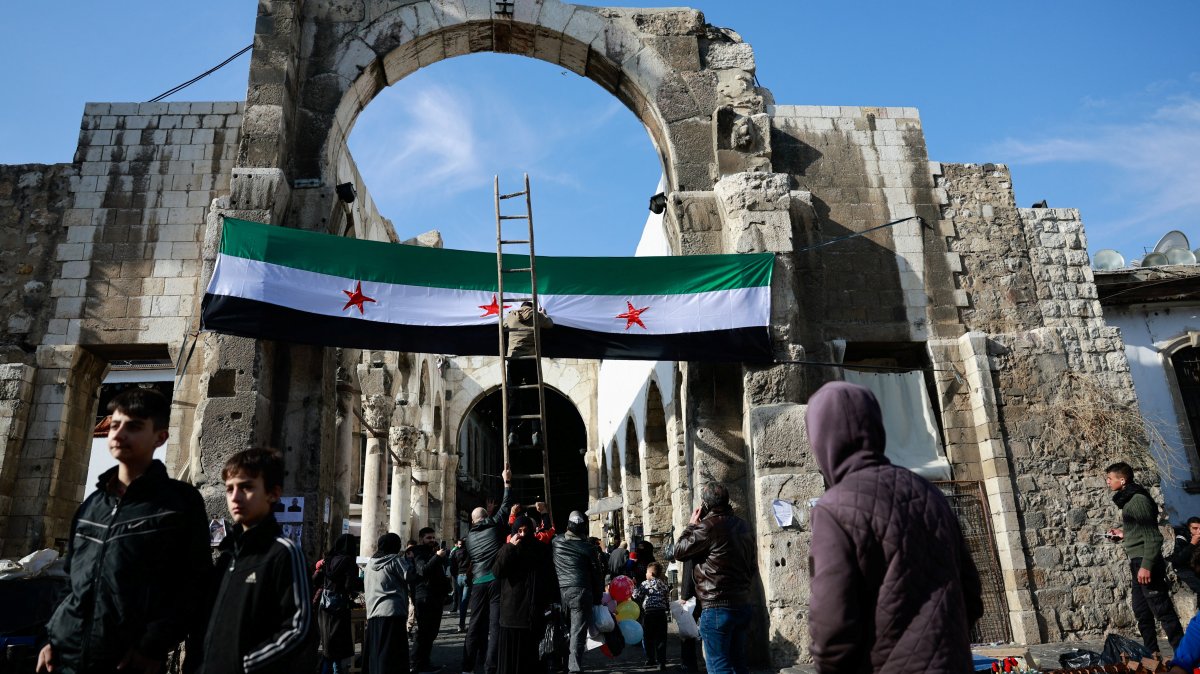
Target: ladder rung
pixel 524 416
pixel 516 299
pixel 514 217
pixel 525 386
pixel 512 196
pixel 520 357
pixel 512 241
pixel 516 269
pixel 532 475
pixel 508 329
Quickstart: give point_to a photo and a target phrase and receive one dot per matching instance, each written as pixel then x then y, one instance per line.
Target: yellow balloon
pixel 628 610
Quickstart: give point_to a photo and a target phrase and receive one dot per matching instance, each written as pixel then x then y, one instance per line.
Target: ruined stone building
pixel 989 311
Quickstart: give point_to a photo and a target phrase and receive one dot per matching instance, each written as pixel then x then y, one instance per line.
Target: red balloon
pixel 621 588
pixel 604 649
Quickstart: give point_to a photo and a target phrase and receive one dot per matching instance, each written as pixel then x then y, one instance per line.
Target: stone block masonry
pixel 33 201
pixel 148 173
pixel 105 260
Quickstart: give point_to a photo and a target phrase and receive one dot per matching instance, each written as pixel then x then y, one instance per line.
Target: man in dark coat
pixel 1187 541
pixel 893 584
pixel 721 545
pixel 580 581
pixel 428 597
pixel 484 540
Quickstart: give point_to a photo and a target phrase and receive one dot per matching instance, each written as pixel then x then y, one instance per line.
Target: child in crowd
pixel 656 603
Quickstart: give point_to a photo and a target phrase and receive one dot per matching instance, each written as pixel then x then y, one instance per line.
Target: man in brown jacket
pixel 893 585
pixel 721 547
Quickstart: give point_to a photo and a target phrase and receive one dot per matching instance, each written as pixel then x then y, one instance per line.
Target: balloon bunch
pixel 621 604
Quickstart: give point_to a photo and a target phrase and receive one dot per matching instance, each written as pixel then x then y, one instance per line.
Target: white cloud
pixel 423 141
pixel 1155 160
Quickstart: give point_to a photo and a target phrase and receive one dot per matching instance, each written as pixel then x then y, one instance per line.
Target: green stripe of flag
pixel 466 270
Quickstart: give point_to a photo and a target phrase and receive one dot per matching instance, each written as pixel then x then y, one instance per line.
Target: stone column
pixel 449 482
pixel 348 468
pixel 760 214
pixel 403 441
pixel 420 498
pixel 377 414
pixel 235 410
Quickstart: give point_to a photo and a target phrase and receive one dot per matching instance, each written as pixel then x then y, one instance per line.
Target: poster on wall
pixel 289 509
pixel 293 532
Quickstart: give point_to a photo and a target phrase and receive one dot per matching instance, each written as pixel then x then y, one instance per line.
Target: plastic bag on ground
pixel 1116 645
pixel 602 619
pixel 36 562
pixel 1078 657
pixel 681 613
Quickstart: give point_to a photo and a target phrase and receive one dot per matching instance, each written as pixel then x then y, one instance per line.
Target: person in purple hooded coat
pixel 893 585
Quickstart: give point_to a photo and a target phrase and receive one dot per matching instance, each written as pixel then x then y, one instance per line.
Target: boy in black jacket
pixel 138 545
pixel 261 616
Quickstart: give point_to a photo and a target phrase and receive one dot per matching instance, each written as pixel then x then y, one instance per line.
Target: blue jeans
pixel 723 631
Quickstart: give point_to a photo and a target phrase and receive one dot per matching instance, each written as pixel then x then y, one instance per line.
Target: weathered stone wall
pixel 865 167
pixel 33 198
pixel 16 396
pixel 124 282
pixel 1042 378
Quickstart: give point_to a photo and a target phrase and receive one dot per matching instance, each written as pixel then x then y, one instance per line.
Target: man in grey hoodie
pixel 388 576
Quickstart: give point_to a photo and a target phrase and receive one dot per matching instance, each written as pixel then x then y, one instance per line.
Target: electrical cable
pixel 865 231
pixel 181 87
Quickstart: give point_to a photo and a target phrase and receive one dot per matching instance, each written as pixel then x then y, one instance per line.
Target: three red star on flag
pixel 633 316
pixel 492 309
pixel 357 298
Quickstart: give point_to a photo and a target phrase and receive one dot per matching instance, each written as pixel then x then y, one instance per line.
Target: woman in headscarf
pixel 644 551
pixel 389 572
pixel 527 588
pixel 339 582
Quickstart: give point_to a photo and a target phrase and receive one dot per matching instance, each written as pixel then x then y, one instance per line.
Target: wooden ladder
pixel 508 265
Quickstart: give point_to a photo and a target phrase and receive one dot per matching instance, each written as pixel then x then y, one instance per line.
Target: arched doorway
pixel 632 480
pixel 656 488
pixel 615 527
pixel 481 451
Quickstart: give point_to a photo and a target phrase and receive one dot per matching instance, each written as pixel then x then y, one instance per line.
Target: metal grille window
pixel 1187 376
pixel 969 503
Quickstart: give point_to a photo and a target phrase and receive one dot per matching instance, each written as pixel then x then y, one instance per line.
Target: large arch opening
pixel 482 455
pixel 435 139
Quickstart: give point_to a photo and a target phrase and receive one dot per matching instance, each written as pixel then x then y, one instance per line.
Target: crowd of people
pixel 893 586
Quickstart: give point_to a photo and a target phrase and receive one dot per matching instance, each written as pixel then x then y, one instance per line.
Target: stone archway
pixel 631 475
pixel 656 488
pixel 316 66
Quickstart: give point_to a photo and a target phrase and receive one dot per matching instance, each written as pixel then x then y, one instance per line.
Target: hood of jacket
pixel 845 429
pixel 378 563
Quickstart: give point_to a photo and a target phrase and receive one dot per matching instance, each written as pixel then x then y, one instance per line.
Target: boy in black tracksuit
pixel 261 616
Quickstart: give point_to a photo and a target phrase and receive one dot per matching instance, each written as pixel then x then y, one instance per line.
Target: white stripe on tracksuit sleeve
pixel 298 617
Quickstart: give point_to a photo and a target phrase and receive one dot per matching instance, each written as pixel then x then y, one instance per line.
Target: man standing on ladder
pixel 520 326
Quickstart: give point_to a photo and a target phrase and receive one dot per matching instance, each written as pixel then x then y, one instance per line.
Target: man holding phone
pixel 721 545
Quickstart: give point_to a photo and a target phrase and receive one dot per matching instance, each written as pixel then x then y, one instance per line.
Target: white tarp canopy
pixel 912 435
pixel 606 505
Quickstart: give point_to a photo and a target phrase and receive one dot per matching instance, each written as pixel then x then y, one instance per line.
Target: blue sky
pixel 1094 105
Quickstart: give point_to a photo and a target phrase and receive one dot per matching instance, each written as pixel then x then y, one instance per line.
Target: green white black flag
pixel 293 285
